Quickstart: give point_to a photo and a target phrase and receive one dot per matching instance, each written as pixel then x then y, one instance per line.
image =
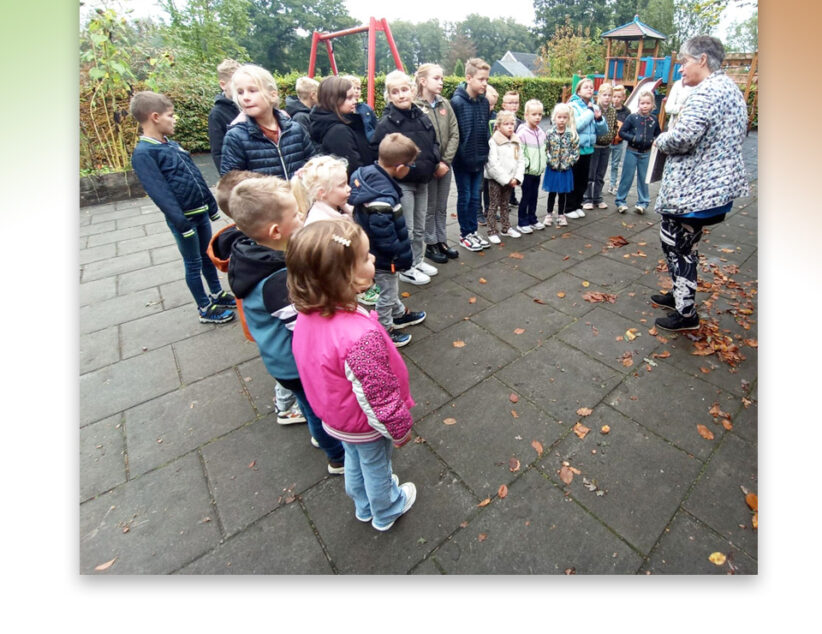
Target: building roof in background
pixel 512 69
pixel 634 30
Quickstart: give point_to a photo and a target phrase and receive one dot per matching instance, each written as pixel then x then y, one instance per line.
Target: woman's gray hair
pixel 707 44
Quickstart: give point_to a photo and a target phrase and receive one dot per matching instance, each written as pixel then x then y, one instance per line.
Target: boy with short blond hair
pixel 224 110
pixel 299 107
pixel 473 113
pixel 265 211
pixel 175 184
pixel 376 197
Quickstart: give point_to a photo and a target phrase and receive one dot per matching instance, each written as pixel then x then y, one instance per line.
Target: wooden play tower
pixel 626 46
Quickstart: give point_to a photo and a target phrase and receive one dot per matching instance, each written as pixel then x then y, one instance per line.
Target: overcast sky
pixel 410 10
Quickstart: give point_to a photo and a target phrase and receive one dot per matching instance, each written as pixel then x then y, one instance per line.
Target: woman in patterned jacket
pixel 704 172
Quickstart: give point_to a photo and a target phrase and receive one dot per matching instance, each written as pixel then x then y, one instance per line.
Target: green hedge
pixel 193 98
pixel 193 103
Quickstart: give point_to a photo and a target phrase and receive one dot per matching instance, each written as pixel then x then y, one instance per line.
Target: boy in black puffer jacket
pixel 223 112
pixel 376 198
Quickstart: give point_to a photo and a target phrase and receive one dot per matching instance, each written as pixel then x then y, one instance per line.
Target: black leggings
pixel 580 172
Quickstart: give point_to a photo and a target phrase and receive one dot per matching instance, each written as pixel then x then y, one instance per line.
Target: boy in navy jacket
pixel 376 199
pixel 177 187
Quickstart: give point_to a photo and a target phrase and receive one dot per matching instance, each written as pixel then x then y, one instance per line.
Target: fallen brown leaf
pixel 617 241
pixel 519 331
pixel 458 344
pixel 561 294
pixel 252 464
pixel 502 491
pixel 584 411
pixel 705 432
pixel 717 558
pixel 586 284
pixel 106 565
pixel 514 413
pixel 516 255
pixel 605 429
pixel 726 423
pixel 481 537
pixel 751 342
pixel 405 294
pixel 482 280
pixel 537 300
pixel 449 421
pixel 472 300
pixel 566 475
pixel 581 430
pixel 537 445
pixel 485 502
pixel 662 355
pixel 513 464
pixel 513 398
pixel 752 501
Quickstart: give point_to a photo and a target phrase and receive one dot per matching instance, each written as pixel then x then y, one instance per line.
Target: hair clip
pixel 343 241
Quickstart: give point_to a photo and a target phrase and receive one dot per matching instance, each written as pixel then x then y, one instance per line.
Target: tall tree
pixel 203 31
pixel 743 37
pixel 592 14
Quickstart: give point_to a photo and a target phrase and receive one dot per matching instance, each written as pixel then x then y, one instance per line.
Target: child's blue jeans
pixel 195 258
pixel 469 186
pixel 368 481
pixel 634 163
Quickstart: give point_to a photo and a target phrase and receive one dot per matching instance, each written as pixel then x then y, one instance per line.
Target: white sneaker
pixel 538 226
pixel 468 242
pixel 427 269
pixel 573 214
pixel 602 205
pixel 525 229
pixel 410 497
pixel 549 220
pixel 513 233
pixel 414 276
pixel 396 479
pixel 580 213
pixel 482 241
pixel 587 206
pixel 493 238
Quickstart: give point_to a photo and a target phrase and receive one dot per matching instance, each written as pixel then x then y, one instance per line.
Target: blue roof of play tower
pixel 633 31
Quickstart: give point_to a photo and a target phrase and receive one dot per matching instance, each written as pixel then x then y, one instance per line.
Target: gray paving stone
pixel 99 349
pixel 117 310
pixel 169 253
pixel 221 347
pixel 102 457
pixel 115 265
pixel 122 385
pixel 114 236
pixel 157 227
pixel 672 404
pixel 160 329
pixel 542 263
pixel 745 419
pixel 563 292
pixel 445 304
pixel 601 335
pixel 521 312
pixel 168 515
pixel 427 395
pixel 280 544
pixel 150 276
pixel 686 547
pixel 259 384
pixel 92 229
pixel 133 202
pixel 97 291
pixel 535 530
pixel 427 567
pixel 254 469
pixel 143 243
pixel 172 425
pixel 356 548
pixel 116 214
pixel 644 479
pixel 612 224
pixel 502 279
pixel 95 254
pixel 458 368
pixel 565 243
pixel 560 379
pixel 610 275
pixel 136 219
pixel 717 498
pixel 485 411
pixel 177 294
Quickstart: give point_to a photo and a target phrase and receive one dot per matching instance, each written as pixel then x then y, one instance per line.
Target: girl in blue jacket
pixel 590 124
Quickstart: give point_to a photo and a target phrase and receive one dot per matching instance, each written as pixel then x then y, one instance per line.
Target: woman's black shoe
pixel 449 253
pixel 433 253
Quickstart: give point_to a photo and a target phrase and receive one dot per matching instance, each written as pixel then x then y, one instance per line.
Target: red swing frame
pixel 372 28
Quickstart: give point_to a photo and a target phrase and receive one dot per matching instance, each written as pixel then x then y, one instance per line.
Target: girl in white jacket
pixel 504 170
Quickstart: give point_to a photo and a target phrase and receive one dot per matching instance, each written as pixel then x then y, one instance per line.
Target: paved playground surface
pixel 184 470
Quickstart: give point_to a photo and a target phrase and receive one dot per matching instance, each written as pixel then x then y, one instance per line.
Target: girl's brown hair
pixel 320 260
pixel 332 93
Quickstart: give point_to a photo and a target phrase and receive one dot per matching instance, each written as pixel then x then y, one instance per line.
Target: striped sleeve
pixel 376 386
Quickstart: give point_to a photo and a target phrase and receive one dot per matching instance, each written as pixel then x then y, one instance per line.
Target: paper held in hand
pixel 656 163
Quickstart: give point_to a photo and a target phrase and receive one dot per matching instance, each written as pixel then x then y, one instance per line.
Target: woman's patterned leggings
pixel 679 239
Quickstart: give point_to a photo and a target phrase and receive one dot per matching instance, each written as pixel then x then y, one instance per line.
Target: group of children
pixel 310 239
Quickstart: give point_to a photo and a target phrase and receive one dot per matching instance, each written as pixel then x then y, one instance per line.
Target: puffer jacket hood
pixel 416 125
pixel 298 111
pixel 334 136
pixel 249 264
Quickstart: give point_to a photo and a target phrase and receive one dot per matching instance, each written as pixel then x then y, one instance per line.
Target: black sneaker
pixel 434 253
pixel 400 339
pixel 213 314
pixel 409 319
pixel 676 322
pixel 450 253
pixel 224 299
pixel 666 300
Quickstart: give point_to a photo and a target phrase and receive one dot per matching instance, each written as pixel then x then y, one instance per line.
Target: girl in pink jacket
pixel 352 373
